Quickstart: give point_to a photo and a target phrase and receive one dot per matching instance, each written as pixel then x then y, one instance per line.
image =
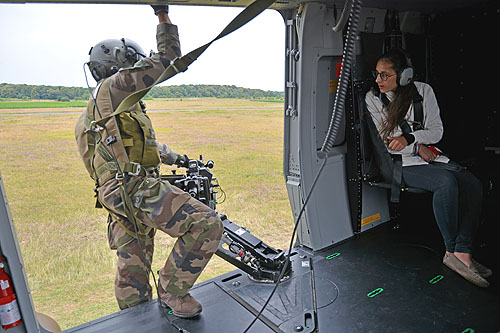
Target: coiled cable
pixel 343 17
pixel 347 60
pixel 338 110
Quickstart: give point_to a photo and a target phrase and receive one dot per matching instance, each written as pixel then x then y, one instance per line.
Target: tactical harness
pixel 128 149
pixel 131 134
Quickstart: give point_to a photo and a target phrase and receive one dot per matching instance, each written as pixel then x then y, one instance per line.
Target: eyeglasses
pixel 383 76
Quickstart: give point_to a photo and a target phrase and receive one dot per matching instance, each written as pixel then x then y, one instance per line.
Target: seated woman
pixel 456 192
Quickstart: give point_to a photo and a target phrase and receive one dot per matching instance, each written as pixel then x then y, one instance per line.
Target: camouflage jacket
pixel 109 93
pixel 145 72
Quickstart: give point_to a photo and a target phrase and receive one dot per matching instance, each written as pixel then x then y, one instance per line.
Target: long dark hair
pixel 403 95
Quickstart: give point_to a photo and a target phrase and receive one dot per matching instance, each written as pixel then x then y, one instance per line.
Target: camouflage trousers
pixel 158 206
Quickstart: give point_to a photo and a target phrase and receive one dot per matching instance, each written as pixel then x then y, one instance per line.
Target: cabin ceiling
pixel 412 5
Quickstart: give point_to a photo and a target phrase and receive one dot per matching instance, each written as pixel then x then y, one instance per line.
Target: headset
pixel 405 75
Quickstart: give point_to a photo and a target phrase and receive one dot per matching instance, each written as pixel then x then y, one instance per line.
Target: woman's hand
pixel 427 154
pixel 397 143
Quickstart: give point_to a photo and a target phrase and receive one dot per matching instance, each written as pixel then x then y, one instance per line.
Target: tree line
pixel 27 92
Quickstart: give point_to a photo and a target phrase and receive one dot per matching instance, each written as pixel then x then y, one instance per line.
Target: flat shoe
pixel 482 270
pixel 455 264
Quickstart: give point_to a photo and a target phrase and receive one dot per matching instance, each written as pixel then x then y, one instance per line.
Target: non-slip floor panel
pixel 384 281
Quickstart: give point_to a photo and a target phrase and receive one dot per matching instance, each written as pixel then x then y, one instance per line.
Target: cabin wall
pixel 327 218
pixel 456 59
pixel 340 202
pixel 465 76
pixel 14 267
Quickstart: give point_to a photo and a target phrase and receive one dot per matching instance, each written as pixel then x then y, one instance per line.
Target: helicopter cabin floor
pixel 386 280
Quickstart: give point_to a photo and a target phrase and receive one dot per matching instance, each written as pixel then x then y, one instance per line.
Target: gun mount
pixel 238 246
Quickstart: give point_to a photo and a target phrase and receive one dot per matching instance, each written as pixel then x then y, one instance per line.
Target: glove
pixel 183 161
pixel 160 8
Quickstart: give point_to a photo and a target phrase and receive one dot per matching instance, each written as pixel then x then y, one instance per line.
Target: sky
pixel 47 44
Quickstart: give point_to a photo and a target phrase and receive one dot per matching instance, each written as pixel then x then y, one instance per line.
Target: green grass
pixel 63 237
pixel 40 104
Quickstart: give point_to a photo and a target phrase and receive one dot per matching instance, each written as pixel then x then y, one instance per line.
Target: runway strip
pixel 149 111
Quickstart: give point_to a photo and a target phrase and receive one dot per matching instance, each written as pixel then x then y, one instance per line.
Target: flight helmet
pixel 108 56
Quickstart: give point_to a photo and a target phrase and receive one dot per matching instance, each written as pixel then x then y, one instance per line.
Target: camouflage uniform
pixel 155 203
pixel 171 210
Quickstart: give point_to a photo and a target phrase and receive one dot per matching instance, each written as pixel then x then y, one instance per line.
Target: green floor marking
pixel 331 256
pixel 375 292
pixel 436 279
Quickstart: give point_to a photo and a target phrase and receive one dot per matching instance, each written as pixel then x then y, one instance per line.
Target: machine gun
pixel 238 246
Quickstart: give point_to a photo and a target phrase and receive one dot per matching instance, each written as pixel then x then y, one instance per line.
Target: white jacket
pixel 432 124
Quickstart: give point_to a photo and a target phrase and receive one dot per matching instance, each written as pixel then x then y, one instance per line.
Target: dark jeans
pixel 456 201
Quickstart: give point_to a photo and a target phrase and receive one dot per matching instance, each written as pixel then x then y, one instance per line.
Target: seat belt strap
pixel 397 175
pixel 418 112
pixel 418 116
pixel 405 127
pixel 181 64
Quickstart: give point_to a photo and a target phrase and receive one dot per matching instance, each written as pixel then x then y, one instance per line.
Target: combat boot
pixel 182 306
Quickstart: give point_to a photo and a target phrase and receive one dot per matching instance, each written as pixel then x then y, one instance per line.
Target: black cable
pixel 335 124
pixel 134 222
pixel 287 262
pixel 222 192
pixel 347 61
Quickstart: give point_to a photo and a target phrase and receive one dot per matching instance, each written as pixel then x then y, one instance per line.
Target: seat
pixel 380 168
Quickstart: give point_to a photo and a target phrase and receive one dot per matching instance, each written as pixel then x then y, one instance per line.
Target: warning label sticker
pixel 9 313
pixel 4 284
pixel 370 219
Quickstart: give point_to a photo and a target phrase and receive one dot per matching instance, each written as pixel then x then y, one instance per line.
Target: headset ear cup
pixel 131 55
pixel 405 76
pixel 98 71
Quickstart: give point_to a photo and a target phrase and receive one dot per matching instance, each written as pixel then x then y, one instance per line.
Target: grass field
pixel 62 237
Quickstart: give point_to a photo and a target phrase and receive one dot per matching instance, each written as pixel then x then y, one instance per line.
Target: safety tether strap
pixel 181 64
pixel 142 231
pixel 129 211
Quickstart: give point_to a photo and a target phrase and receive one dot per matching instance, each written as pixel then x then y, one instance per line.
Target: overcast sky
pixel 48 44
